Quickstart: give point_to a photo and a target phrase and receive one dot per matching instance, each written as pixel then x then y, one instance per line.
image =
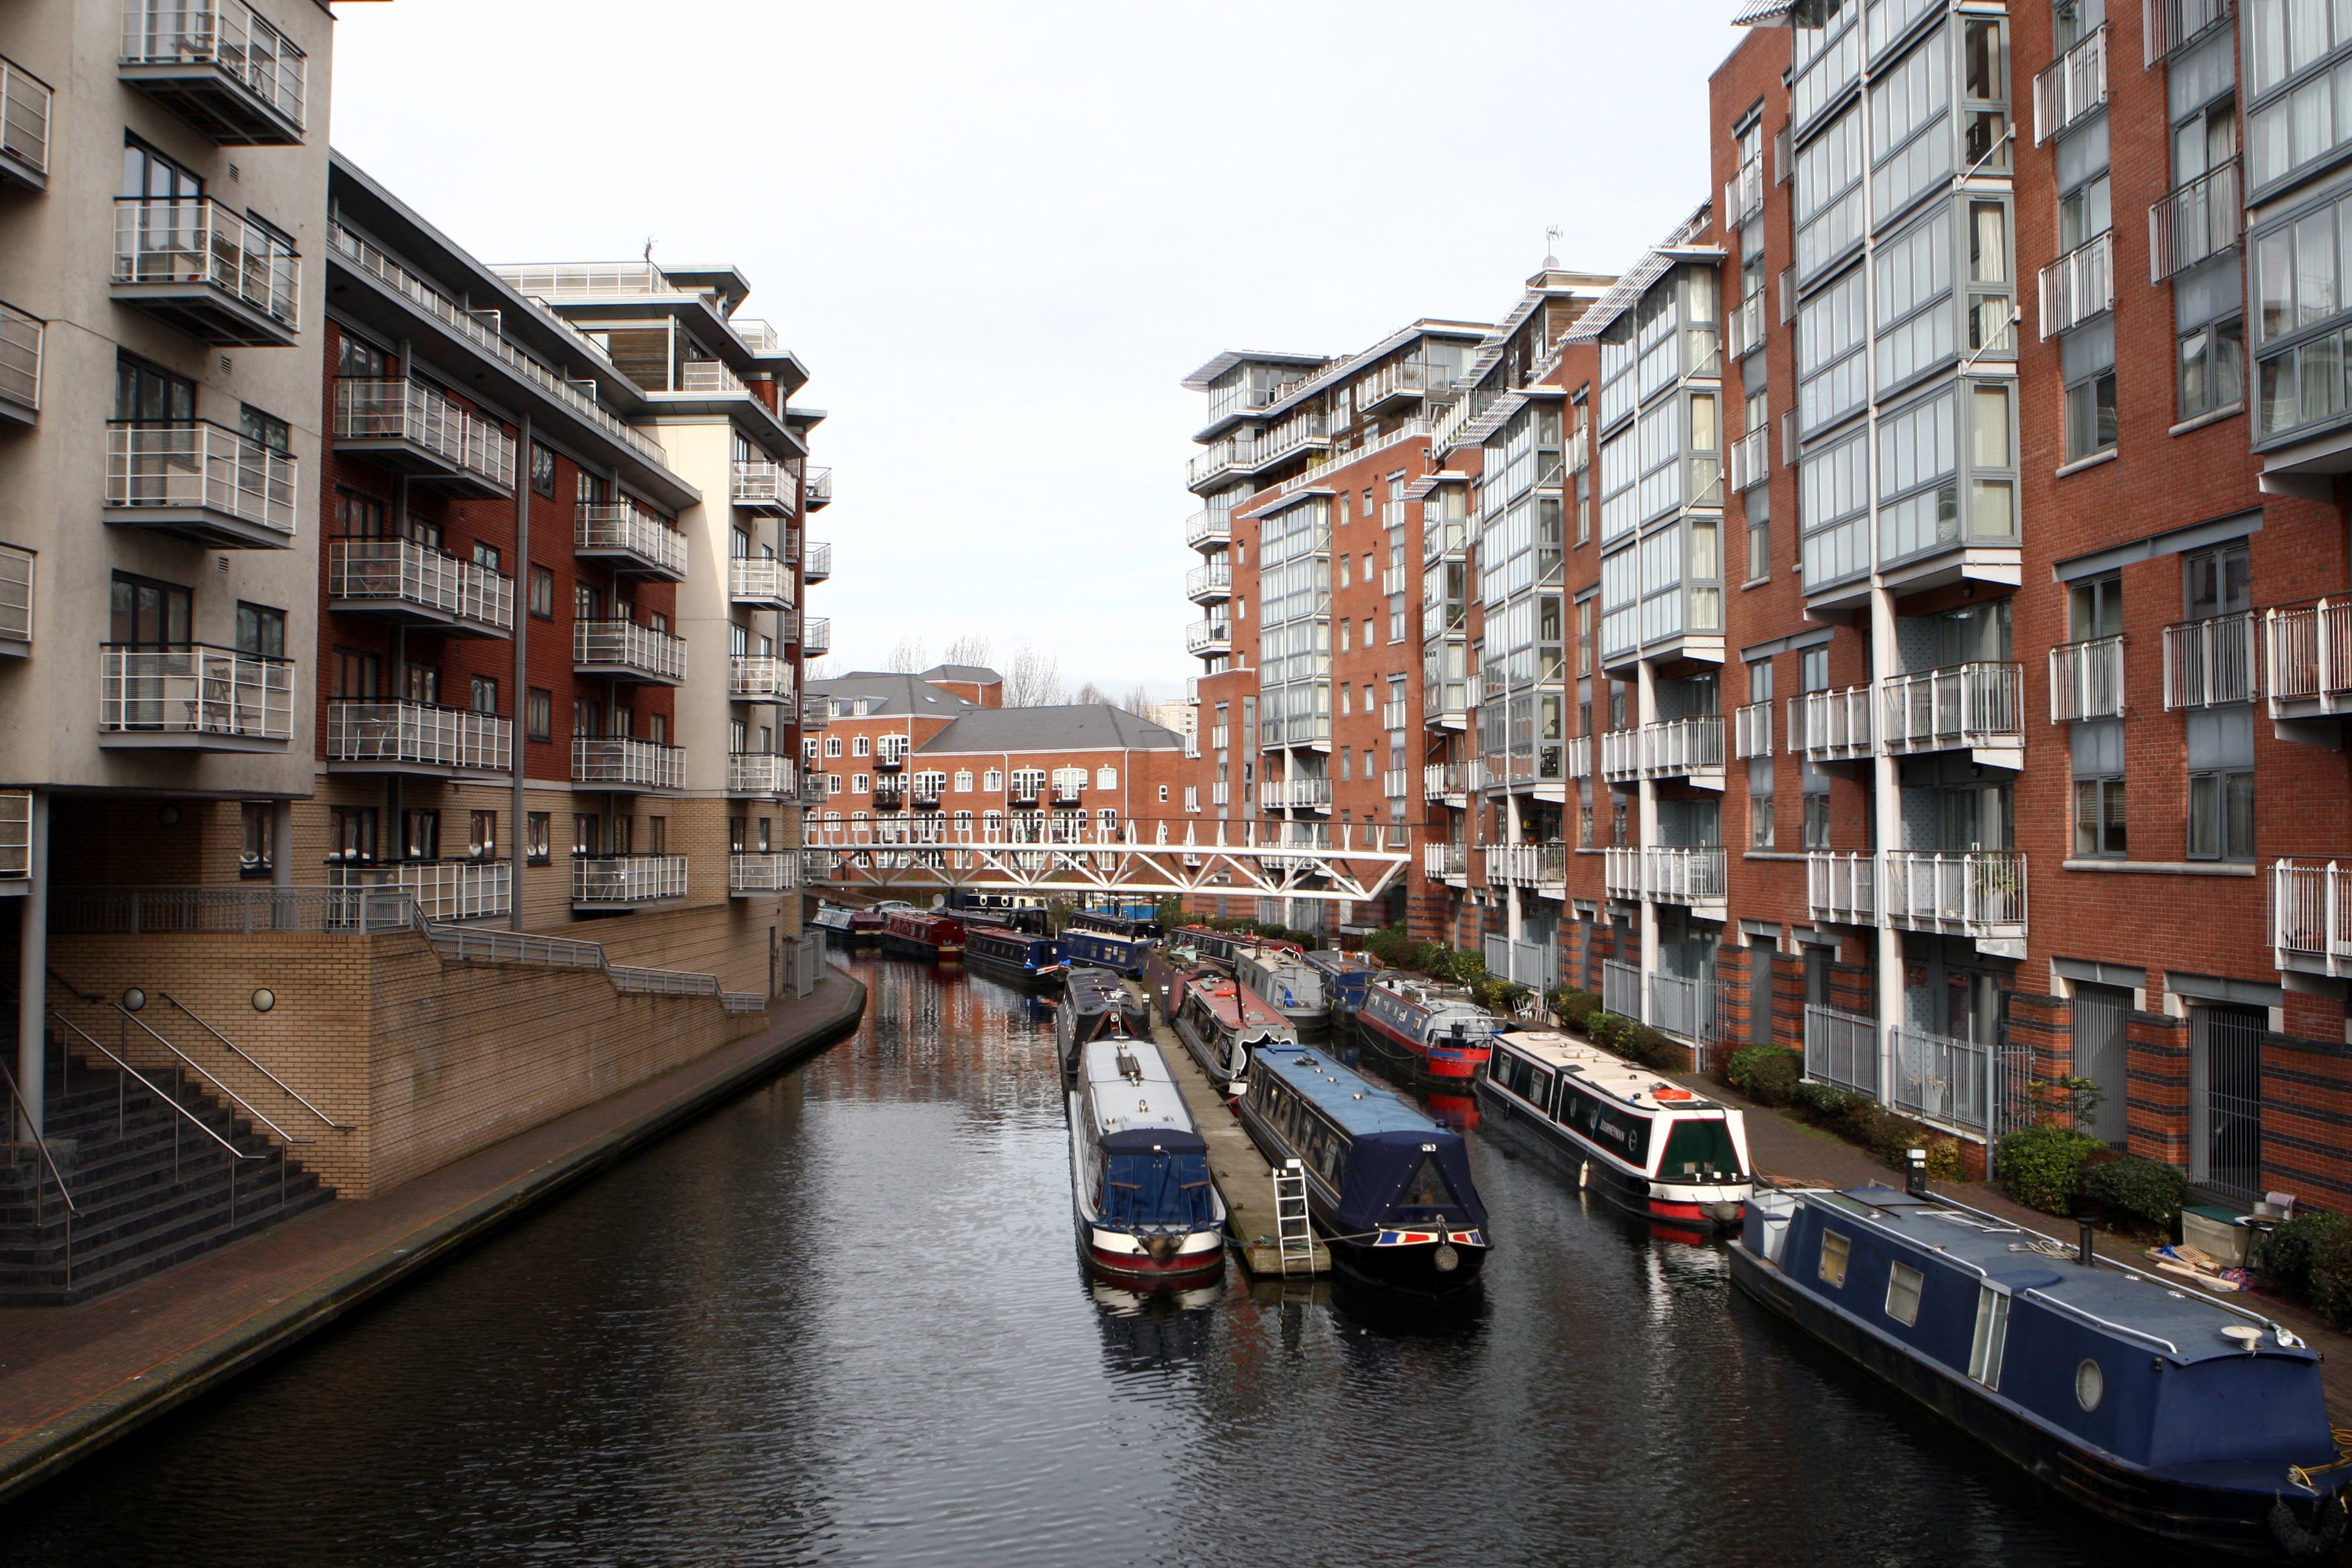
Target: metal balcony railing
pixel 761 773
pixel 404 572
pixel 2210 661
pixel 2086 679
pixel 1751 458
pixel 817 712
pixel 1833 726
pixel 612 645
pixel 2310 656
pixel 1841 1049
pixel 20 358
pixel 1677 747
pixel 1527 865
pixel 1394 581
pixel 2070 87
pixel 16 834
pixel 1298 794
pixel 1978 893
pixel 710 376
pixel 760 580
pixel 1743 194
pixel 1942 1079
pixel 764 871
pixel 195 241
pixel 204 466
pixel 199 691
pixel 765 486
pixel 1208 637
pixel 1208 527
pixel 816 636
pixel 817 492
pixel 1621 756
pixel 1211 580
pixel 1397 381
pixel 376 730
pixel 2168 26
pixel 2078 285
pixel 15 594
pixel 470 889
pixel 1745 329
pixel 2199 221
pixel 1676 873
pixel 411 411
pixel 818 566
pixel 25 102
pixel 622 527
pixel 620 761
pixel 1751 731
pixel 261 62
pixel 1959 707
pixel 2311 916
pixel 617 880
pixel 1621 872
pixel 1842 887
pixel 759 677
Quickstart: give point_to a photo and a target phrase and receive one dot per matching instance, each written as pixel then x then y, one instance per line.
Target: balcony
pixel 475 888
pixel 761 581
pixel 761 486
pixel 818 566
pixel 815 636
pixel 761 773
pixel 1974 707
pixel 625 651
pixel 760 678
pixel 1207 530
pixel 622 762
pixel 1978 894
pixel 1621 873
pixel 370 735
pixel 201 483
pixel 889 796
pixel 1207 637
pixel 1621 756
pixel 2086 679
pixel 1297 794
pixel 1543 867
pixel 817 712
pixel 196 698
pixel 1689 874
pixel 2311 918
pixel 16 602
pixel 816 493
pixel 1751 458
pixel 630 538
pixel 1453 783
pixel 750 873
pixel 811 791
pixel 625 881
pixel 2310 660
pixel 2071 88
pixel 1688 749
pixel 1842 888
pixel 21 340
pixel 1743 194
pixel 1832 727
pixel 1449 863
pixel 890 760
pixel 205 270
pixel 218 67
pixel 1444 539
pixel 25 102
pixel 415 585
pixel 2171 26
pixel 412 429
pixel 2196 223
pixel 1751 731
pixel 1396 384
pixel 1218 461
pixel 1211 582
pixel 2209 663
pixel 2078 285
pixel 707 378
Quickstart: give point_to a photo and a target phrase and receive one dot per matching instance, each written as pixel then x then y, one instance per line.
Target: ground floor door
pixel 2225 1099
pixel 2099 1053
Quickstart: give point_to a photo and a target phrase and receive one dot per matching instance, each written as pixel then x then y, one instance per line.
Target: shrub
pixel 2295 1246
pixel 2328 1287
pixel 2133 1185
pixel 1822 1101
pixel 2041 1165
pixel 1765 1074
pixel 1943 1162
pixel 1574 1008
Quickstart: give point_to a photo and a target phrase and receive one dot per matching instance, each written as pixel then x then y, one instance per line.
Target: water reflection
pixel 842 1320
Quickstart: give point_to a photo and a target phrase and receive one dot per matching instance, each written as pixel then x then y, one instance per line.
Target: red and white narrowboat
pixel 1440 1031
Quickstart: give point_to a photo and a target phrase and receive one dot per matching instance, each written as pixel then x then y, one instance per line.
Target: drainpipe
pixel 521 690
pixel 1645 833
pixel 32 970
pixel 1887 808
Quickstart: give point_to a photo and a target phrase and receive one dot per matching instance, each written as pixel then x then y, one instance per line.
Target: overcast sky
pixel 998 234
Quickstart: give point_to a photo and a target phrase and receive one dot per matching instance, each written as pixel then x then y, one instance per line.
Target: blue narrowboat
pixel 1345 976
pixel 1106 949
pixel 1011 955
pixel 2146 1401
pixel 1119 919
pixel 1390 1188
pixel 1096 1004
pixel 1147 1213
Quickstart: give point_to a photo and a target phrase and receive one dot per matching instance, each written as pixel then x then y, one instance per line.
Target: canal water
pixel 842 1320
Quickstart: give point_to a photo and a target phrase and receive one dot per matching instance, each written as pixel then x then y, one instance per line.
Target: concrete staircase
pixel 153 1179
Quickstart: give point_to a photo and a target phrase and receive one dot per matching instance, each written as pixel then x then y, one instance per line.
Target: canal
pixel 842 1320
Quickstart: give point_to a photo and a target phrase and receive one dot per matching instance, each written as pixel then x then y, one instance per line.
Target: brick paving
pixel 72 1378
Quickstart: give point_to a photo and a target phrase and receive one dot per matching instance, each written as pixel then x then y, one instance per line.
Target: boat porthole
pixel 1447 1259
pixel 2090 1384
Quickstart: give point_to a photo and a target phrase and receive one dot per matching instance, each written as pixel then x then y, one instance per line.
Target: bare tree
pixel 1035 679
pixel 818 669
pixel 1090 693
pixel 1138 701
pixel 910 656
pixel 971 648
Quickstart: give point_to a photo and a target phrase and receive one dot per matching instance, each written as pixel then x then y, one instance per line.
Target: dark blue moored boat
pixel 1119 919
pixel 2152 1404
pixel 1345 978
pixel 1389 1187
pixel 1016 955
pixel 1106 949
pixel 1147 1212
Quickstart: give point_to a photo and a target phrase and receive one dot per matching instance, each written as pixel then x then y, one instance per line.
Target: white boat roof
pixel 1122 1104
pixel 1614 1076
pixel 1429 995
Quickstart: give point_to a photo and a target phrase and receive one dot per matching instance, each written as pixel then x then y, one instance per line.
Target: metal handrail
pixel 232 1045
pixel 16 1098
pixel 140 1024
pixel 172 1101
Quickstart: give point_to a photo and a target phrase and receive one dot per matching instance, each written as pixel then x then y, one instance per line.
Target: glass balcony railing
pixel 416 582
pixel 815 636
pixel 763 486
pixel 220 65
pixel 21 339
pixel 16 597
pixel 195 695
pixel 1208 637
pixel 818 564
pixel 759 677
pixel 364 730
pixel 761 773
pixel 612 646
pixel 454 441
pixel 753 872
pixel 200 478
pixel 208 269
pixel 620 881
pixel 607 529
pixel 760 580
pixel 817 492
pixel 24 105
pixel 624 762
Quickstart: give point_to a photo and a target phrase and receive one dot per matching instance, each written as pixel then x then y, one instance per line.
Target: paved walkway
pixel 73 1379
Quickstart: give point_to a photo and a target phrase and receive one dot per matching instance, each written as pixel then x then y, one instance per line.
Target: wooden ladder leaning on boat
pixel 1293 1230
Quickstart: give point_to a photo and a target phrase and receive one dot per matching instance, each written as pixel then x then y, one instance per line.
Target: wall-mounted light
pixel 168 815
pixel 264 999
pixel 134 999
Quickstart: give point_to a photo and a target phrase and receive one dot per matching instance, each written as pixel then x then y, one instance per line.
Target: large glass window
pixel 1914 285
pixel 2291 61
pixel 1910 104
pixel 1829 194
pixel 1833 376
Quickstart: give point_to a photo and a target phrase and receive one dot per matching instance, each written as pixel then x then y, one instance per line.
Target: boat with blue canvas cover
pixel 1387 1186
pixel 1146 1214
pixel 1020 957
pixel 2145 1400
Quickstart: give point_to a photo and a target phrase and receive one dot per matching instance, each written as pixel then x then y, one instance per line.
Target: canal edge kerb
pixel 47 1451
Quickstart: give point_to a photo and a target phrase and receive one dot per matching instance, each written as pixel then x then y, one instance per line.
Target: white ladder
pixel 1293 1231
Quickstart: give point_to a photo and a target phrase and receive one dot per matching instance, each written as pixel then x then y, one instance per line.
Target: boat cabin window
pixel 1159 1188
pixel 1991 1336
pixel 1903 1286
pixel 1524 1079
pixel 1834 1254
pixel 1700 1150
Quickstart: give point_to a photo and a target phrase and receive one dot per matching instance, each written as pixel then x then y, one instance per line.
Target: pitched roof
pixel 1075 726
pixel 969 673
pixel 888 692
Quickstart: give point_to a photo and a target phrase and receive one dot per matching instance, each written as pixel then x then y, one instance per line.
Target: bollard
pixel 1914 1165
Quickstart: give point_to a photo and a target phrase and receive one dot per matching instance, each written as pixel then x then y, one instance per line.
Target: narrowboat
pixel 1011 955
pixel 1345 976
pixel 999 909
pixel 1119 919
pixel 2156 1406
pixel 1146 1211
pixel 1290 985
pixel 919 933
pixel 1440 1031
pixel 1105 950
pixel 1225 947
pixel 1222 1023
pixel 838 921
pixel 1387 1186
pixel 865 925
pixel 1650 1147
pixel 1096 1004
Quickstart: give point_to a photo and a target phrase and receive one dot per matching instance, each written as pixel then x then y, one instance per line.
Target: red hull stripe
pixel 1136 1264
pixel 1665 1210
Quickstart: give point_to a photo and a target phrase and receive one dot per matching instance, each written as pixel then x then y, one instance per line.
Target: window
pixel 656 835
pixel 542 471
pixel 482 693
pixel 1163 794
pixel 356 675
pixel 2095 607
pixel 1902 1287
pixel 2213 367
pixel 542 592
pixel 255 817
pixel 420 835
pixel 992 783
pixel 862 783
pixel 148 614
pixel 350 833
pixel 657 729
pixel 1760 533
pixel 1991 1336
pixel 359 358
pixel 832 745
pixel 147 172
pixel 963 781
pixel 1817 811
pixel 482 835
pixel 583 832
pixel 2090 415
pixel 487 556
pixel 2219 581
pixel 1106 777
pixel 861 746
pixel 1834 1248
pixel 149 394
pixel 263 429
pixel 539 714
pixel 358 516
pixel 584 604
pixel 260 630
pixel 2221 816
pixel 833 783
pixel 534 836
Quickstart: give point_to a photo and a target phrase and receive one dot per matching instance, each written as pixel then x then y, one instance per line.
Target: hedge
pixel 1768 1074
pixel 2042 1165
pixel 2147 1189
